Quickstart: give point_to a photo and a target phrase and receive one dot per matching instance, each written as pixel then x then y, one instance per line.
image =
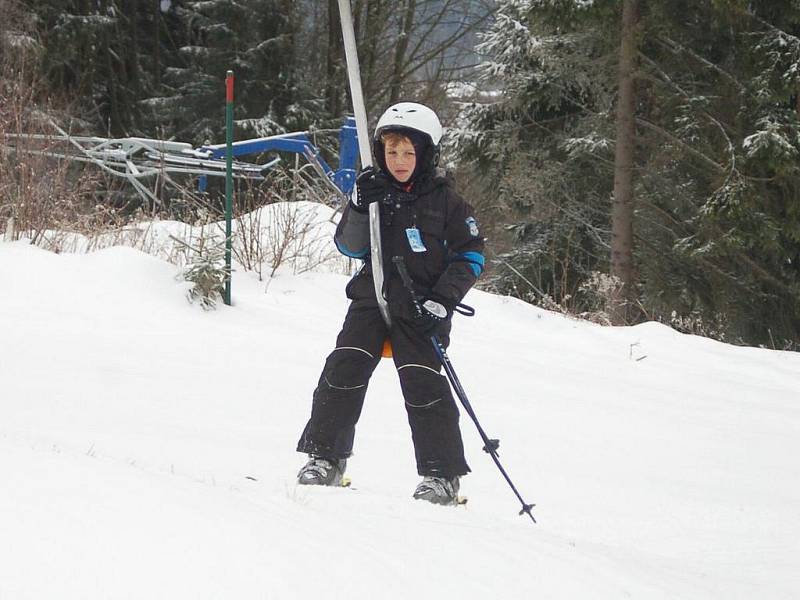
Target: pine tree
pixel 205 269
pixel 716 183
pixel 253 38
pixel 720 223
pixel 545 141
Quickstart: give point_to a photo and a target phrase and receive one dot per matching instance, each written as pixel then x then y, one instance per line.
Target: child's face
pixel 400 158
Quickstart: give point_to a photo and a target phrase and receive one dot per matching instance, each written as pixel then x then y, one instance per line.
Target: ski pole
pixel 490 445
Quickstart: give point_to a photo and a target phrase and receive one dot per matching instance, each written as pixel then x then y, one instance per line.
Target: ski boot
pixel 322 471
pixel 438 490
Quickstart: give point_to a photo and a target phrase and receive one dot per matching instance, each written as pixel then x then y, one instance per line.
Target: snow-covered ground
pixel 147 451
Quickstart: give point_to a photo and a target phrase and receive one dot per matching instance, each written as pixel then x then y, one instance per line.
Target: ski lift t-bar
pixel 354 77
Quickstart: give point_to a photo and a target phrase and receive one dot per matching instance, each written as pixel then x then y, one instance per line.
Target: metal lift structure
pixel 140 159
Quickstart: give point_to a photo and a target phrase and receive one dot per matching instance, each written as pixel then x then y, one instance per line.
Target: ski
pixel 346 482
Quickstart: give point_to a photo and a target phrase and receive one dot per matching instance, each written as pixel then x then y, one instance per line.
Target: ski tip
pixel 250 478
pixel 461 500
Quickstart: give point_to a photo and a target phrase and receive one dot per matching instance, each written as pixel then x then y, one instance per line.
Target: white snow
pixel 662 465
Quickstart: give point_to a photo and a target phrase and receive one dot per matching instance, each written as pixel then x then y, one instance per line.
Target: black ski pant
pixel 339 396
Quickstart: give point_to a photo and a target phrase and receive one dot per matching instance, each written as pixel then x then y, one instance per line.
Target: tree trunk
pixel 406 25
pixel 622 208
pixel 374 15
pixel 157 45
pixel 333 73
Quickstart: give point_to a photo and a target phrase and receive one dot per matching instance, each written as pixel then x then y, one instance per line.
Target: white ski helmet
pixel 410 115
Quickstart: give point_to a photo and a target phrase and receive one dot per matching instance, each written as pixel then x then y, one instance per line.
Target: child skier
pixel 434 230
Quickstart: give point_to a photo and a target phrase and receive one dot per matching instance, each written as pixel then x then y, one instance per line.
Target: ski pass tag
pixel 415 239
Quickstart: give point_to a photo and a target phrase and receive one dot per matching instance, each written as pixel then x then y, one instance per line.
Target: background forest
pixel 570 124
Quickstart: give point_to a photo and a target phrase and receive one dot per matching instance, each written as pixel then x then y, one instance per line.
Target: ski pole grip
pixel 400 263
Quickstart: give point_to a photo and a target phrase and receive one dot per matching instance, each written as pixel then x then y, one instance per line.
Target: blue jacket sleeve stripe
pixel 475 260
pixel 347 252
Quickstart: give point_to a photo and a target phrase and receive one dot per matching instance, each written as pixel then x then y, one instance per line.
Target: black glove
pixel 371 186
pixel 432 314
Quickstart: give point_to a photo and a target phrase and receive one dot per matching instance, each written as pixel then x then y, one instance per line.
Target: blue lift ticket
pixel 415 239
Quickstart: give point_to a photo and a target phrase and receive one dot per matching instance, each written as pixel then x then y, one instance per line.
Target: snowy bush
pixel 206 271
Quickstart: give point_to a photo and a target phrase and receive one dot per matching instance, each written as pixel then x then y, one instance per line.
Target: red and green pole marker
pixel 228 181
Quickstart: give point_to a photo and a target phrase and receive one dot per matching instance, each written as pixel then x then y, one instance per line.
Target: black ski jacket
pixel 435 232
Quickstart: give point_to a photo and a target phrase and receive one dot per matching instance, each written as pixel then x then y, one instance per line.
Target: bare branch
pixel 677 48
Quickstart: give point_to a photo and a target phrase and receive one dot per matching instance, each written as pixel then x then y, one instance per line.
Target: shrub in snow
pixel 206 271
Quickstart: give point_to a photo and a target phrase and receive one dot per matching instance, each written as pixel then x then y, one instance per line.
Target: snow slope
pixel 132 425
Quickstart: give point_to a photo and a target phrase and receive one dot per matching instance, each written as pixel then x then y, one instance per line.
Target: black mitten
pixel 432 314
pixel 371 186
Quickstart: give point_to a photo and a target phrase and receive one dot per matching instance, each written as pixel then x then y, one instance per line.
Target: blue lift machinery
pixel 299 143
